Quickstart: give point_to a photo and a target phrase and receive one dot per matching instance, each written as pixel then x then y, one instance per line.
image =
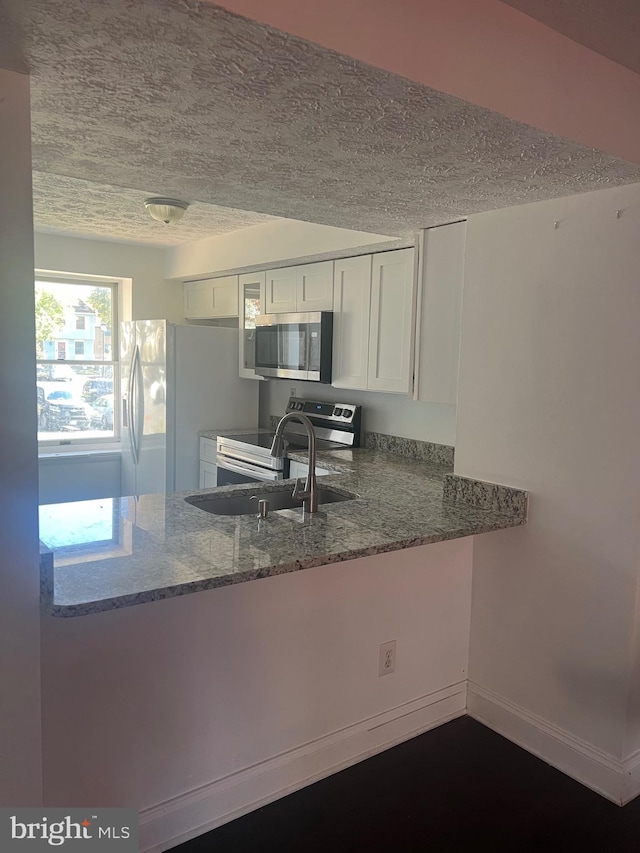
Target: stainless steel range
pixel 248 459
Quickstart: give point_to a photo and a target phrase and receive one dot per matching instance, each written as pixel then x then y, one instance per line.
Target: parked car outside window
pixel 102 416
pixel 94 388
pixel 60 408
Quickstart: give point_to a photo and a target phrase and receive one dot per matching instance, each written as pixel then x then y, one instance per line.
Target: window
pixel 77 380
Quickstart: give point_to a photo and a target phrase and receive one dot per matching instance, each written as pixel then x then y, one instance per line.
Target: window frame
pixel 83 444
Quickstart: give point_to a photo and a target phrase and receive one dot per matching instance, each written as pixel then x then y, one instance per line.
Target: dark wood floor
pixel 460 787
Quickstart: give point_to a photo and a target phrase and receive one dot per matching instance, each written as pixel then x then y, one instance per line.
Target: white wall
pixel 392 414
pixel 153 297
pixel 80 477
pixel 266 244
pixel 147 703
pixel 549 401
pixel 20 742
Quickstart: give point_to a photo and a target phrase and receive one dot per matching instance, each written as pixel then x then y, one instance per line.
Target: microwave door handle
pixel 307 349
pixel 280 353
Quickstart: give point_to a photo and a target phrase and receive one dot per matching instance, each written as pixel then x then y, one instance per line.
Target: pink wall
pixel 482 51
pixel 197 708
pixel 554 604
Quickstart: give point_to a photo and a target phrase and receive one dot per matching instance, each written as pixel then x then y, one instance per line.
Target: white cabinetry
pixel 252 293
pixel 281 291
pixel 351 308
pixel 373 301
pixel 308 287
pixel 211 298
pixel 391 326
pixel 208 470
pixel 439 313
pixel 314 287
pixel 299 469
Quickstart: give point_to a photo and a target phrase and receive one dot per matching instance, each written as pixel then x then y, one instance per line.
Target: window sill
pixel 80 453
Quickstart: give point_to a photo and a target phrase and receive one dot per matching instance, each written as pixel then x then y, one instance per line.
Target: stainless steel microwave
pixel 295 346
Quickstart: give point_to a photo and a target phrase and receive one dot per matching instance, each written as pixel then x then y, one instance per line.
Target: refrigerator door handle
pixel 139 385
pixel 133 406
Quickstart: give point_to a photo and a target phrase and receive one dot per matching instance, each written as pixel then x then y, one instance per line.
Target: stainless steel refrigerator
pixel 176 381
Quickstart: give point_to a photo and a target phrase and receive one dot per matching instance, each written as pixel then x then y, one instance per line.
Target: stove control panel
pixel 338 412
pixel 339 422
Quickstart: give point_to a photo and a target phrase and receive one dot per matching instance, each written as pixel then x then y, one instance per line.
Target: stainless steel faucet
pixel 310 494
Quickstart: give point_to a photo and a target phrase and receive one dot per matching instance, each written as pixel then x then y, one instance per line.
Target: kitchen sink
pixel 245 505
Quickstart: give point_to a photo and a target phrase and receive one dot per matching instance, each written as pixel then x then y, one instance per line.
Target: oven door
pixel 235 472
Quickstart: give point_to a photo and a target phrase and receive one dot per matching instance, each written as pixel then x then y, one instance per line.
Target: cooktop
pixel 293 442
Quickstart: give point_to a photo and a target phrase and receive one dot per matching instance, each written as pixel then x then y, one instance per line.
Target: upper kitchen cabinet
pixel 252 293
pixel 439 313
pixel 351 309
pixel 314 287
pixel 281 291
pixel 308 287
pixel 391 324
pixel 211 298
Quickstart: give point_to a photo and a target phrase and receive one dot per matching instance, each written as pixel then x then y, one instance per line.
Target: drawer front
pixel 208 450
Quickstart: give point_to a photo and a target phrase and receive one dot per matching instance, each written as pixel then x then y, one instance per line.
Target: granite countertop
pixel 159 546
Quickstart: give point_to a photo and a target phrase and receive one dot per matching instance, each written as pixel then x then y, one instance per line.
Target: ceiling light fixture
pixel 167 210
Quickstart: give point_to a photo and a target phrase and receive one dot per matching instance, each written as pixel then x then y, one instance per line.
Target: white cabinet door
pixel 439 313
pixel 211 298
pixel 198 299
pixel 390 332
pixel 308 287
pixel 281 291
pixel 314 287
pixel 351 308
pixel 208 475
pixel 252 297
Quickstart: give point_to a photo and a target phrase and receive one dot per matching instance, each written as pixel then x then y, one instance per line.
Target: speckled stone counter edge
pixel 423 451
pixel 46 576
pixel 91 607
pixel 491 496
pixel 505 507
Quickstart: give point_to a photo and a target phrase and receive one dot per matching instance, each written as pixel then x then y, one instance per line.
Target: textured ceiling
pixel 89 209
pixel 205 106
pixel 608 27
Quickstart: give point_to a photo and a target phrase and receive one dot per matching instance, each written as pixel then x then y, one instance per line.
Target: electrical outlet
pixel 293 393
pixel 387 660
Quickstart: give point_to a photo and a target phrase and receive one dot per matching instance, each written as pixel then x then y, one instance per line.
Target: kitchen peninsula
pixel 161 546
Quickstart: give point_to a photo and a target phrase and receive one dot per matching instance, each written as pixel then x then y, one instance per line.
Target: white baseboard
pixel 631 778
pixel 618 781
pixel 170 823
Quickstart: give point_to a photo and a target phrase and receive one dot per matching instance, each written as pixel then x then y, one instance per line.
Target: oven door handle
pixel 248 470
